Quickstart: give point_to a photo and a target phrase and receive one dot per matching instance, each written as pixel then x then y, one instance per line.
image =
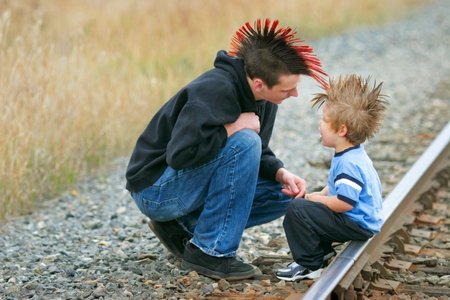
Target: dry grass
pixel 79 78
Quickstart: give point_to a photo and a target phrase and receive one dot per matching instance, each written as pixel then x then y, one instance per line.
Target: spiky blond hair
pixel 350 101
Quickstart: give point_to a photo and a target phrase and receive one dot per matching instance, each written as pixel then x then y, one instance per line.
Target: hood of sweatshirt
pixel 235 66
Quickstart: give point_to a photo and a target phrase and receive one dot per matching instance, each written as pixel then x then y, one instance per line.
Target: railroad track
pixel 414 238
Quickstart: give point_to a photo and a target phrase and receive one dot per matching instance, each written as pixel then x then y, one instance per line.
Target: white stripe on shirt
pixel 349 183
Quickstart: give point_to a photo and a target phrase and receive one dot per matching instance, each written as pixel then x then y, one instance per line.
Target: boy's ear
pixel 342 130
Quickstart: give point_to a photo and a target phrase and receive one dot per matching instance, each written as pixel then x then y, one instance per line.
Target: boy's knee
pixel 302 208
pixel 298 204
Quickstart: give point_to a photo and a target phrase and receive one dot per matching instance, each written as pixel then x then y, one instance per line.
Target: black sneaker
pixel 217 267
pixel 294 272
pixel 171 235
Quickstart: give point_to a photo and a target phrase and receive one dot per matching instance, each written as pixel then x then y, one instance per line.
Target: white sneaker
pixel 294 272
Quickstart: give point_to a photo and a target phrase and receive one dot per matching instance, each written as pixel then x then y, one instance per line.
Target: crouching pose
pixel 203 171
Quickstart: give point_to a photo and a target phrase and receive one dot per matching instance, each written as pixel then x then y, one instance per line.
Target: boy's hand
pixel 292 185
pixel 332 202
pixel 312 195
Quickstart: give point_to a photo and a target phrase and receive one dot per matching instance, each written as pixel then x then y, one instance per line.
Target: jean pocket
pixel 159 203
pixel 164 210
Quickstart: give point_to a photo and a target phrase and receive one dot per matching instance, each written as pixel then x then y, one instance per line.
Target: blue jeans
pixel 218 200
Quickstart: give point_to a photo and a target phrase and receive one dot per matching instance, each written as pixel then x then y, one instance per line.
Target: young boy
pixel 350 206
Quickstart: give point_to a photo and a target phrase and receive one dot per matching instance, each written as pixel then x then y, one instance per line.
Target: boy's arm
pixel 323 192
pixel 332 202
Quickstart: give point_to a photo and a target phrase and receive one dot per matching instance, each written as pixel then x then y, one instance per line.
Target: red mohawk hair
pixel 264 35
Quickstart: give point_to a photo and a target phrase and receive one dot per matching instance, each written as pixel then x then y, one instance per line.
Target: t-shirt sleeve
pixel 348 184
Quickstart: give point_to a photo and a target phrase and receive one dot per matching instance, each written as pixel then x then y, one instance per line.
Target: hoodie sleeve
pixel 199 131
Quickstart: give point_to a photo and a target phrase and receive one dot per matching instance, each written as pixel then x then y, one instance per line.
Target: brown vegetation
pixel 79 79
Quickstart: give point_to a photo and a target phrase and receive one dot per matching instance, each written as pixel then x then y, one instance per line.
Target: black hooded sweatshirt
pixel 189 129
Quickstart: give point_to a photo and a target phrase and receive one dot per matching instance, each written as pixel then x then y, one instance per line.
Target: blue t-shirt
pixel 354 180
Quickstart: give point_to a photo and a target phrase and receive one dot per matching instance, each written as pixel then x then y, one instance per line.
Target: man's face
pixel 287 87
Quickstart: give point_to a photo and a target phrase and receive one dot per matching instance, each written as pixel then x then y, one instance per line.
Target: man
pixel 202 170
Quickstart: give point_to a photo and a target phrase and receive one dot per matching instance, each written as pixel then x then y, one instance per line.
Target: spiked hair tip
pixel 265 33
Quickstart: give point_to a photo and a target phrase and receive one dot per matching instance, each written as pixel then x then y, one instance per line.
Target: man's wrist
pixel 279 175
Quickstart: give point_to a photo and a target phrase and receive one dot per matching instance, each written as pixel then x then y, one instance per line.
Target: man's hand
pixel 247 120
pixel 292 185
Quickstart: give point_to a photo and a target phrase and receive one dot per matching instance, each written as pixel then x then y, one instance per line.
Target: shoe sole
pixel 219 275
pixel 172 248
pixel 313 275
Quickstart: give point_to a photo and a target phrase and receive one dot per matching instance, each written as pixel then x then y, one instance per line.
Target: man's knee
pixel 248 135
pixel 246 139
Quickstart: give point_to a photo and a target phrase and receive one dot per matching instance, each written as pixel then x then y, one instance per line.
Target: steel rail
pixel 349 262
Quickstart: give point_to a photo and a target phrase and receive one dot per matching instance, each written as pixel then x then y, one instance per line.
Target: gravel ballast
pixel 93 243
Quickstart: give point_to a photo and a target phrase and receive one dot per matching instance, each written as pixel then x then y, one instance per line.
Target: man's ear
pixel 342 130
pixel 258 84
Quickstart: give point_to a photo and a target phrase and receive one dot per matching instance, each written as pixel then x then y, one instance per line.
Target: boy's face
pixel 328 135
